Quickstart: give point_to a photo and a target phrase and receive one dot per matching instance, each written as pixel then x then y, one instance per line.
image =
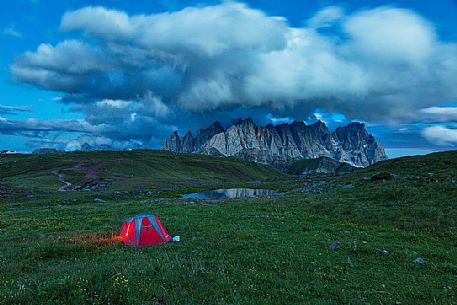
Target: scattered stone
pixel 385 252
pixel 93 185
pixel 335 245
pixel 100 200
pixel 311 189
pixel 382 176
pixel 347 186
pixel 419 261
pixel 398 177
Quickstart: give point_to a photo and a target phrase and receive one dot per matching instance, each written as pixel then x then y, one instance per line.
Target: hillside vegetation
pixel 386 234
pixel 127 170
pixel 411 192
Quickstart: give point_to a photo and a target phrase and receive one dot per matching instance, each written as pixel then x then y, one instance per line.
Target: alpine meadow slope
pixel 137 170
pixel 395 222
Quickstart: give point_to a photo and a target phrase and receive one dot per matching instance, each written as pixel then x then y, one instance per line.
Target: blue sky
pixel 95 80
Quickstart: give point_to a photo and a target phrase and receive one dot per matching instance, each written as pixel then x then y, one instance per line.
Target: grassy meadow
pixel 61 247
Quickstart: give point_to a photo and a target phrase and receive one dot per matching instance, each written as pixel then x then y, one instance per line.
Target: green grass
pixel 58 248
pixel 129 170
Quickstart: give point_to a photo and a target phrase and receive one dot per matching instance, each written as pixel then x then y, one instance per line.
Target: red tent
pixel 144 230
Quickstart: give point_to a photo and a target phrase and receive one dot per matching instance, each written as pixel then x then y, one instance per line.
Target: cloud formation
pixel 441 135
pixel 14 109
pixel 11 126
pixel 138 76
pixel 11 30
pixel 438 114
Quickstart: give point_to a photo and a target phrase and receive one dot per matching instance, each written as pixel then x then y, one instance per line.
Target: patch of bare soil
pixel 91 171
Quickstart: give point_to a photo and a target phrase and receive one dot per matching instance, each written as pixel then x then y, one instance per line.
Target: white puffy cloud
pixel 207 61
pixel 326 17
pixel 195 31
pixel 97 20
pixel 67 67
pixel 440 135
pixel 391 35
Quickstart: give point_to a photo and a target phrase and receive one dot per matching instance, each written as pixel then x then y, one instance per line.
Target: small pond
pixel 231 193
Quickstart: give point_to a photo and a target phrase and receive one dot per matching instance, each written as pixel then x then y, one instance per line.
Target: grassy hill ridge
pixel 127 169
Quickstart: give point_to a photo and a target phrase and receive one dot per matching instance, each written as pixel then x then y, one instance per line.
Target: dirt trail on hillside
pixel 90 172
pixel 67 185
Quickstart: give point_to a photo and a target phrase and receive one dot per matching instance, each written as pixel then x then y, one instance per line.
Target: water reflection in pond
pixel 231 193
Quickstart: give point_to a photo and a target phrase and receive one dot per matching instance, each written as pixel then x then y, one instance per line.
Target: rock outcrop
pixel 279 144
pixel 321 165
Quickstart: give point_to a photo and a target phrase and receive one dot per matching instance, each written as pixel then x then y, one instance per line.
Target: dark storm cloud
pixel 140 76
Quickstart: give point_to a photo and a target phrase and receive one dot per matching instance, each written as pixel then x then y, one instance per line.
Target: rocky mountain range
pixel 279 144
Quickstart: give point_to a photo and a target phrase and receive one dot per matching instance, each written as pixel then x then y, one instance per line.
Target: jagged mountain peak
pixel 356 124
pixel 245 123
pixel 353 126
pixel 278 144
pixel 319 123
pixel 216 126
pixel 298 123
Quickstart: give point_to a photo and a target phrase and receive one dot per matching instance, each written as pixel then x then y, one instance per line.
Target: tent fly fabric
pixel 144 230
